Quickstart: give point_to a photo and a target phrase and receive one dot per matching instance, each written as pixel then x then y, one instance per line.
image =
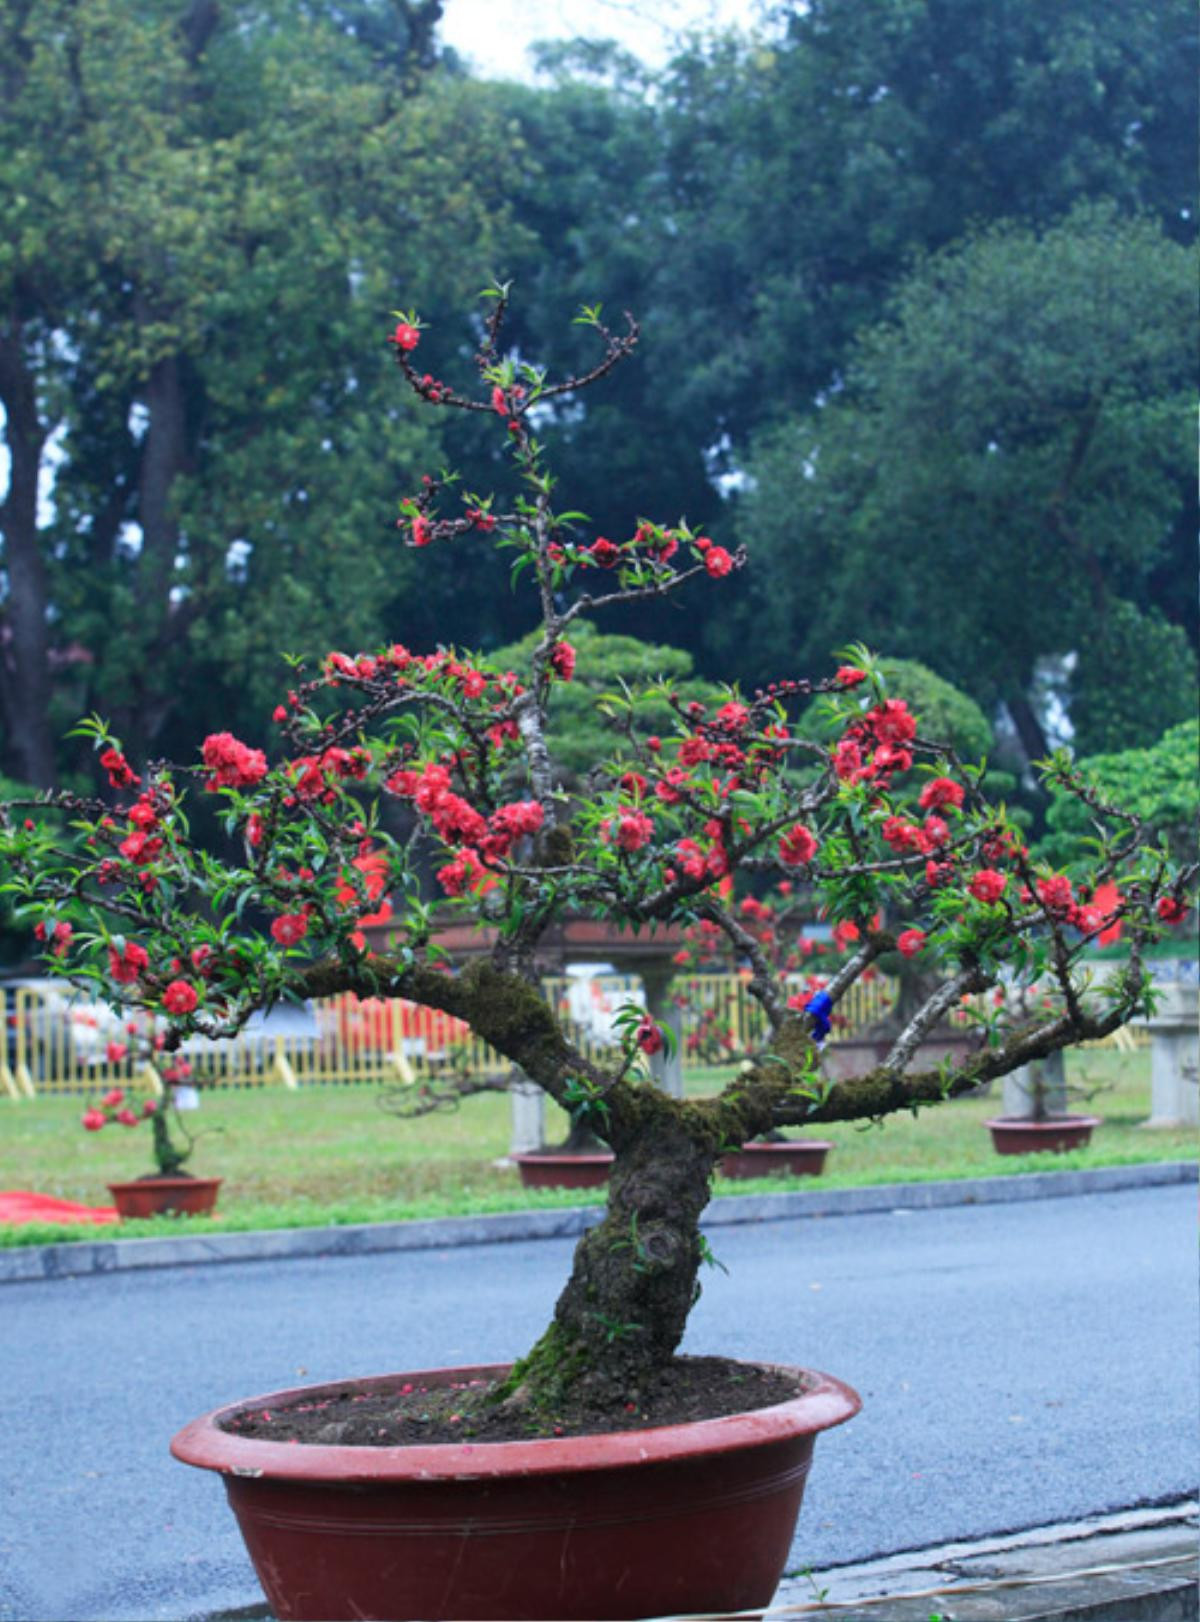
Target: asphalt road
pixel 1019 1365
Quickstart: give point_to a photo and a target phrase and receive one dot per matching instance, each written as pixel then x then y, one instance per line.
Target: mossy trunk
pixel 635 1276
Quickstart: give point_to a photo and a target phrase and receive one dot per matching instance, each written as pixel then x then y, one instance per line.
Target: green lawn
pixel 330 1155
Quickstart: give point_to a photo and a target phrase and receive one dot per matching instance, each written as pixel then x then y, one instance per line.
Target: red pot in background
pixel 680 1518
pixel 157 1196
pixel 544 1168
pixel 800 1157
pixel 1016 1136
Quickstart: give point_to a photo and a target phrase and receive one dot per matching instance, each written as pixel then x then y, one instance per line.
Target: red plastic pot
pixel 801 1157
pixel 545 1169
pixel 157 1196
pixel 1014 1136
pixel 681 1518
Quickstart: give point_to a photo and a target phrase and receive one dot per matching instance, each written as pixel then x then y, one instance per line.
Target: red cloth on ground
pixel 20 1205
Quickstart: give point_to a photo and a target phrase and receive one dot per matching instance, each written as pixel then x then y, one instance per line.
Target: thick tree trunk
pixel 635 1277
pixel 1029 728
pixel 25 661
pixel 165 455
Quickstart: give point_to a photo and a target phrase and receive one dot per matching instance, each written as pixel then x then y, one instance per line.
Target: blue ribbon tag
pixel 819 1008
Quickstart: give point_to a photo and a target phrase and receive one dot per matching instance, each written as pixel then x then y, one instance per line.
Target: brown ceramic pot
pixel 682 1518
pixel 1016 1136
pixel 799 1157
pixel 545 1168
pixel 158 1196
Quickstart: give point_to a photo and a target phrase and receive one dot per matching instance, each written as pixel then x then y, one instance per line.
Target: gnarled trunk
pixel 634 1277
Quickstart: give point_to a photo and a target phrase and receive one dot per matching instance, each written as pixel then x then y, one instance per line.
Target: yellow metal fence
pixel 58 1044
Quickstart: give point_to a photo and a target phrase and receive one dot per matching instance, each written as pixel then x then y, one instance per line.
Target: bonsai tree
pixel 882 822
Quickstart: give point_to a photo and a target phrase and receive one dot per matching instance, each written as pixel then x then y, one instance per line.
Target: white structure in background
pixel 1175 1055
pixel 592 1004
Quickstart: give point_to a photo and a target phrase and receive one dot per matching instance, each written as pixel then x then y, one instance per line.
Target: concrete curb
pixel 35 1263
pixel 1130 1566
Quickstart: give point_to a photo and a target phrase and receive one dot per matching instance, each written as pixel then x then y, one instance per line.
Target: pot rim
pixel 824 1403
pixel 587 1157
pixel 160 1181
pixel 1047 1124
pixel 754 1147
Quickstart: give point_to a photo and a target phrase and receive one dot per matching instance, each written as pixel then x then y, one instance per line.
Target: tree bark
pixel 634 1278
pixel 1029 728
pixel 25 661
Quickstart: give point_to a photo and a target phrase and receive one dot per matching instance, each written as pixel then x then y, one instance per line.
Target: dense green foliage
pixel 210 209
pixel 995 482
pixel 1159 784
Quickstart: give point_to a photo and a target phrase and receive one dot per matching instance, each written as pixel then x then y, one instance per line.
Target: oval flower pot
pixel 158 1196
pixel 1013 1135
pixel 694 1517
pixel 546 1168
pixel 799 1157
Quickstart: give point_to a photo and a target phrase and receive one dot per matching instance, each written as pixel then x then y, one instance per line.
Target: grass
pixel 330 1156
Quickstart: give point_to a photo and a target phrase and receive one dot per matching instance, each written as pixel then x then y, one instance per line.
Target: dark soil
pixel 690 1388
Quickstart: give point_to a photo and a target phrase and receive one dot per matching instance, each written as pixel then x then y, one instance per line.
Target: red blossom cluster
pixel 233 764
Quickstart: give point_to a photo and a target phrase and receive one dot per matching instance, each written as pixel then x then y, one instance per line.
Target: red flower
pixel 140 847
pixel 605 552
pixel 634 829
pixel 120 773
pixel 93 1119
pixel 1171 909
pixel 891 722
pixel 987 884
pixel 143 815
pixel 938 873
pixel 113 1097
pixel 649 1037
pixel 1055 894
pixel 900 834
pixel 180 997
pixel 59 937
pixel 421 532
pixel 940 791
pixel 850 675
pixel 562 660
pixel 125 966
pixel 127 1117
pixel 798 846
pixel 405 337
pixel 232 763
pixel 718 562
pixel 910 942
pixel 290 928
pixel 115 1052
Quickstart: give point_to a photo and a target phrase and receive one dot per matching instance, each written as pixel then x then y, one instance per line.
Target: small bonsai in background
pixel 890 832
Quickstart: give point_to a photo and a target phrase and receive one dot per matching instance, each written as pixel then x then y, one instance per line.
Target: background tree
pixel 1158 784
pixel 206 205
pixel 1000 477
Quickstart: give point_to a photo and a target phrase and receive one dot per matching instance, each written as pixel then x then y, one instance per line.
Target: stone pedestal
pixel 1174 1057
pixel 1021 1088
pixel 667 1067
pixel 528 1113
pixel 528 1099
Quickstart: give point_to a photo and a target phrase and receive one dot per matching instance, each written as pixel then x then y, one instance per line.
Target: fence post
pixel 283 1068
pixel 150 1074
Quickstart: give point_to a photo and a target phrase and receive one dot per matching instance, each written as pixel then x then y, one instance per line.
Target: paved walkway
pixel 1021 1364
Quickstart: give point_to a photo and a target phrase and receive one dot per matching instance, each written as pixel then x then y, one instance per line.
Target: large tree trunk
pixel 25 661
pixel 634 1277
